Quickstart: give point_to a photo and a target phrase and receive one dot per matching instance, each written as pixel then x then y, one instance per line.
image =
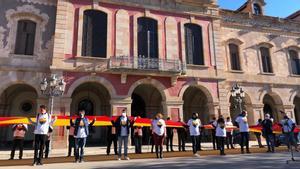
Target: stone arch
pixel 272 104
pixel 97 79
pixel 33 85
pixel 204 87
pixel 157 84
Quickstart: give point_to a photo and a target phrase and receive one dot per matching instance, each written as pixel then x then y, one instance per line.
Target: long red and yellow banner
pixel 107 121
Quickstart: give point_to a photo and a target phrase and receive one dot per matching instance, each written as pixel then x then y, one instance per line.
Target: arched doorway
pixel 272 105
pixel 246 105
pixel 297 109
pixel 94 98
pixel 146 102
pixel 17 100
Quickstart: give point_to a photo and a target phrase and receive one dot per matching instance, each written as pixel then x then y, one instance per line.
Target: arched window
pixel 94 42
pixel 266 60
pixel 193 44
pixel 295 62
pixel 147 38
pixel 234 57
pixel 25 37
pixel 257 9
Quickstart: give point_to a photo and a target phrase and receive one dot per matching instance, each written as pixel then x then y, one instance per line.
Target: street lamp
pixel 238 94
pixel 53 87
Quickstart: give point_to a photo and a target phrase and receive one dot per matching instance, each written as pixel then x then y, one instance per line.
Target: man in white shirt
pixel 229 132
pixel 42 124
pixel 288 127
pixel 194 126
pixel 242 121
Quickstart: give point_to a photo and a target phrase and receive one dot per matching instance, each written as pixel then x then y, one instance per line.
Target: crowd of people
pixel 118 134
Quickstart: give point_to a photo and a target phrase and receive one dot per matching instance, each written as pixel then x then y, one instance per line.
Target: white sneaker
pixel 196 155
pixel 127 158
pixel 119 159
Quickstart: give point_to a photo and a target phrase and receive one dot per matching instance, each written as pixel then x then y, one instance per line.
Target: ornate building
pixel 171 56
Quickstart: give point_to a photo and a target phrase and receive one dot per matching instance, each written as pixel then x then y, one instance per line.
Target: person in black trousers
pixel 258 134
pixel 71 140
pixel 47 143
pixel 242 122
pixel 267 132
pixel 229 133
pixel 19 134
pixel 138 139
pixel 182 136
pixel 213 133
pixel 111 138
pixel 169 138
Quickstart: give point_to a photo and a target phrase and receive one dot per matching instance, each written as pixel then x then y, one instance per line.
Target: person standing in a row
pixel 48 141
pixel 19 131
pixel 159 133
pixel 221 134
pixel 288 127
pixel 267 132
pixel 213 133
pixel 81 132
pixel 182 136
pixel 194 125
pixel 71 140
pixel 229 133
pixel 169 138
pixel 111 137
pixel 138 138
pixel 123 132
pixel 258 134
pixel 242 122
pixel 42 124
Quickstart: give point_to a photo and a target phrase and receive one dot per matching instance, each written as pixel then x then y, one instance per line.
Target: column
pixel 173 109
pixel 258 112
pixel 289 110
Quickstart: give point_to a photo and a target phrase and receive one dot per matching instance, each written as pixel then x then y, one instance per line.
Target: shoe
pixel 34 164
pixel 39 163
pixel 76 161
pixel 248 152
pixel 242 152
pixel 119 159
pixel 269 151
pixel 222 154
pixel 20 158
pixel 10 159
pixel 196 155
pixel 127 158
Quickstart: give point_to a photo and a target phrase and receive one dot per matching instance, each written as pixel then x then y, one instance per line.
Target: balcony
pixel 142 64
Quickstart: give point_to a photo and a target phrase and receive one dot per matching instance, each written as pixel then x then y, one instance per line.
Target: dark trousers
pixel 221 144
pixel 39 144
pixel 199 142
pixel 214 140
pixel 244 141
pixel 229 140
pixel 112 139
pixel 258 137
pixel 17 143
pixel 138 144
pixel 169 143
pixel 71 146
pixel 47 148
pixel 181 142
pixel 270 142
pixel 79 148
pixel 195 141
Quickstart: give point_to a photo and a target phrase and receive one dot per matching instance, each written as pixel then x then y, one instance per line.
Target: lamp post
pixel 238 94
pixel 52 87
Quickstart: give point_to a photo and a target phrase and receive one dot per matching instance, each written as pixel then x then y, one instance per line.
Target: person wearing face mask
pixel 159 134
pixel 123 131
pixel 81 132
pixel 221 134
pixel 194 126
pixel 242 122
pixel 42 124
pixel 267 132
pixel 288 126
pixel 229 133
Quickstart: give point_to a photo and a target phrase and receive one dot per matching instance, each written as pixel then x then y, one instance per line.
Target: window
pixel 266 60
pixel 25 37
pixel 193 44
pixel 257 9
pixel 234 57
pixel 295 62
pixel 94 41
pixel 147 38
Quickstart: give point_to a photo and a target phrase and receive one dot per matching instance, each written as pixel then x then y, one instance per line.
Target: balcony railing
pixel 146 64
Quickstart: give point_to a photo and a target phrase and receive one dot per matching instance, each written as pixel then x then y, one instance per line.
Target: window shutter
pixel 189 45
pixel 25 38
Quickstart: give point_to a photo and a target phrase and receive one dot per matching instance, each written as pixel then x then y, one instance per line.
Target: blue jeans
pixel 121 140
pixel 79 144
pixel 195 143
pixel 270 142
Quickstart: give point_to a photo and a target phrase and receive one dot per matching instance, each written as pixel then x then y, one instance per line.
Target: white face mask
pixel 124 114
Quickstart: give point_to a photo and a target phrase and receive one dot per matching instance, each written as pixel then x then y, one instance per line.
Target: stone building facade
pixel 148 56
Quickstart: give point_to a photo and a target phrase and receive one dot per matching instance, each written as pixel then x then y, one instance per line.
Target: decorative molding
pixel 41 2
pixel 3 48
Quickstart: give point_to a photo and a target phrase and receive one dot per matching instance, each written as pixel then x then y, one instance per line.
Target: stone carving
pixel 3 48
pixel 41 2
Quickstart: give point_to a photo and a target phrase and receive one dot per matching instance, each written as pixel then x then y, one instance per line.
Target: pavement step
pixel 91 158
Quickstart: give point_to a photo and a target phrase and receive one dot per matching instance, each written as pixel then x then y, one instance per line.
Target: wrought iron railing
pixel 149 64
